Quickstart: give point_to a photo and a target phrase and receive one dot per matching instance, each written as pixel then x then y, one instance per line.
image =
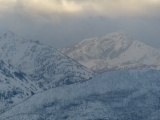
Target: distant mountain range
pixel 114 51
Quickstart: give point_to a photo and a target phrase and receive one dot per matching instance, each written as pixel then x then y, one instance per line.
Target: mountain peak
pixel 118 35
pixel 9 34
pixel 40 61
pixel 114 51
pixel 120 32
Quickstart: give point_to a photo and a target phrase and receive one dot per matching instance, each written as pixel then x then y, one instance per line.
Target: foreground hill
pixel 115 95
pixel 43 64
pixel 114 51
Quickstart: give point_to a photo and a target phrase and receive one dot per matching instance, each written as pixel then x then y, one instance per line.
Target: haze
pixel 61 23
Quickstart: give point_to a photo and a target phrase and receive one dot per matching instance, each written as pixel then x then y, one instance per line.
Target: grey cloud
pixel 64 28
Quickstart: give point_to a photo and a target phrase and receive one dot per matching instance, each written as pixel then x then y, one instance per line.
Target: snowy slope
pixel 113 51
pixel 115 95
pixel 14 86
pixel 46 66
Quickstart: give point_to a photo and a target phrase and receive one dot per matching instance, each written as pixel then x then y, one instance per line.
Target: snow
pixel 42 67
pixel 14 86
pixel 36 81
pixel 115 95
pixel 44 64
pixel 114 51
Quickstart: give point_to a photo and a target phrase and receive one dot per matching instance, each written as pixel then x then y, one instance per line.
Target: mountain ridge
pixel 113 51
pixel 43 66
pixel 34 57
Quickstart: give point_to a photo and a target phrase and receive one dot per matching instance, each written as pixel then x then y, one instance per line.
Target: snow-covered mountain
pixel 115 95
pixel 14 86
pixel 44 65
pixel 114 51
pixel 30 90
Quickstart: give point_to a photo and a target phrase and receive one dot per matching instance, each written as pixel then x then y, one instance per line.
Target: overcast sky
pixel 63 23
